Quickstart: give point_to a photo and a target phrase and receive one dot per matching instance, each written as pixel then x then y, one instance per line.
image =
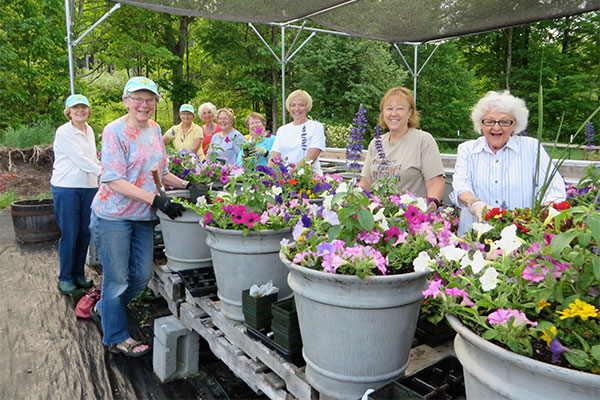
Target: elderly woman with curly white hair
pixel 499 168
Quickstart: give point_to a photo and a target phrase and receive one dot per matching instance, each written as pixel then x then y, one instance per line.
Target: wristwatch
pixel 436 201
pixel 470 202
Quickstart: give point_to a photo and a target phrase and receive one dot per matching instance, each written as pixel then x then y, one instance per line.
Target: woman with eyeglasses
pixel 405 153
pixel 499 168
pixel 124 208
pixel 225 145
pixel 186 134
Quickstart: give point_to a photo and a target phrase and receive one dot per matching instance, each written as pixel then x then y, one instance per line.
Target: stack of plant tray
pixel 442 380
pixel 257 310
pixel 285 325
pixel 199 281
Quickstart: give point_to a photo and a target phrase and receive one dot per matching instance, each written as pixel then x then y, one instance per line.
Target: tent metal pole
pixel 415 73
pixel 91 28
pixel 69 46
pixel 283 62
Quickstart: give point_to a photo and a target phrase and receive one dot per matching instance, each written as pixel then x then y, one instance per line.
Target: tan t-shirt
pixel 412 160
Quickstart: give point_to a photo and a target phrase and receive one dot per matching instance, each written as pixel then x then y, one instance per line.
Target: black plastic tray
pixel 442 380
pixel 294 356
pixel 199 281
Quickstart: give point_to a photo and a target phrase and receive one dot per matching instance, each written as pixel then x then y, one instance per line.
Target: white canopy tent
pixel 393 21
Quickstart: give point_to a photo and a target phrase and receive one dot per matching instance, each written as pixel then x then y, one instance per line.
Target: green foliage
pixel 24 137
pixel 340 73
pixel 33 61
pixel 6 199
pixel 142 300
pixel 445 91
pixel 337 135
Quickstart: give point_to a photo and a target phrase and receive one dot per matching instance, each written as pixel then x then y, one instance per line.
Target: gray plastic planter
pixel 492 372
pixel 356 334
pixel 184 238
pixel 242 261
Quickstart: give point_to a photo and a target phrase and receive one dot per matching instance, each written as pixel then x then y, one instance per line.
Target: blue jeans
pixel 125 252
pixel 72 211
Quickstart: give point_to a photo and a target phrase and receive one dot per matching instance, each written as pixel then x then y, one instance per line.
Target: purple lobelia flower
pixel 356 146
pixel 589 136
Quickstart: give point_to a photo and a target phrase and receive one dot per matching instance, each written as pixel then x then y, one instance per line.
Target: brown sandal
pixel 129 347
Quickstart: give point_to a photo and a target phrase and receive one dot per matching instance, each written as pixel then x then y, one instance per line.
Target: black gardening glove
pixel 164 204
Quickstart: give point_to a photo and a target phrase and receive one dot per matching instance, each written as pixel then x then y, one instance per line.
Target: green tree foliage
pixel 34 75
pixel 340 73
pixel 445 90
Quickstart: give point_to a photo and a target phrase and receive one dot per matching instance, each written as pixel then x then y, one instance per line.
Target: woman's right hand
pixel 476 208
pixel 164 204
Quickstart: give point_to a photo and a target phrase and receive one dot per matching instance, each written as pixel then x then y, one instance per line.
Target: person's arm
pixel 128 189
pixel 365 183
pixel 168 136
pixel 435 190
pixel 174 181
pixel 195 145
pixel 313 154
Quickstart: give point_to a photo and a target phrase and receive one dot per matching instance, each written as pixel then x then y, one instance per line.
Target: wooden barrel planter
pixel 34 221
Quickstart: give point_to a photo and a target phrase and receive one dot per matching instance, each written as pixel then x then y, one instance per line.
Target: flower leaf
pixel 596 264
pixel 489 334
pixel 334 232
pixel 596 351
pixel 594 224
pixel 578 358
pixel 366 219
pixel 559 242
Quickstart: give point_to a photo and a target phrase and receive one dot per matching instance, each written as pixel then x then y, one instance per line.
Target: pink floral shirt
pixel 130 154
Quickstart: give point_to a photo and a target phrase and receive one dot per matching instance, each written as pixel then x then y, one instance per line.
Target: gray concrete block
pixel 175 350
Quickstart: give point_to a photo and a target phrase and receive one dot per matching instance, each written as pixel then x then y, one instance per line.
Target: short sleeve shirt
pixel 185 142
pixel 289 141
pixel 227 147
pixel 412 160
pixel 129 154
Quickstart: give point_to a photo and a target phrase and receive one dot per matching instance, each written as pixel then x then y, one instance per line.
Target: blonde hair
pixel 229 113
pixel 404 93
pixel 301 95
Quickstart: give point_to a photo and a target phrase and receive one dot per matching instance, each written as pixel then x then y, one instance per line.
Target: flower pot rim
pixel 509 356
pixel 239 232
pixel 32 202
pixel 348 278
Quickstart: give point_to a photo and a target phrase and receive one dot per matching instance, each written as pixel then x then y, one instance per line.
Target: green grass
pixel 24 137
pixel 6 199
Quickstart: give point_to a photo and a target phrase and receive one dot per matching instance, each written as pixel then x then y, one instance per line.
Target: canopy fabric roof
pixel 396 21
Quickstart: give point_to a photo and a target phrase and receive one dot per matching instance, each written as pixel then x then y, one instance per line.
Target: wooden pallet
pixel 169 286
pixel 262 368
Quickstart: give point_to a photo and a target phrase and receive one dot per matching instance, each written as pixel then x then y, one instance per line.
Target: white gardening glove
pixel 476 208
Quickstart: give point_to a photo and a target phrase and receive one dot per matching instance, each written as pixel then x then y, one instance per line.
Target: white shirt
pixel 75 162
pixel 505 179
pixel 288 141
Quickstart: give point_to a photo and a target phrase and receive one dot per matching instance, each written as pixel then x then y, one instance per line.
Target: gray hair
pixel 208 105
pixel 501 101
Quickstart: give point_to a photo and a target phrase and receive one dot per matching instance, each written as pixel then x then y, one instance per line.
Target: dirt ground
pixel 26 172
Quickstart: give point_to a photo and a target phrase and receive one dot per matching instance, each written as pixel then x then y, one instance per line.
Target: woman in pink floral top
pixel 123 210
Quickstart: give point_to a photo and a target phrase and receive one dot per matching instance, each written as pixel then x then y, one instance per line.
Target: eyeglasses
pixel 504 123
pixel 138 100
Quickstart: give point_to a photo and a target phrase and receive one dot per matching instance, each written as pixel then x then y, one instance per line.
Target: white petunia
pixel 308 161
pixel 372 206
pixel 478 262
pixel 343 188
pixel 552 213
pixel 421 204
pixel 465 261
pixel 379 216
pixel 481 228
pixel 384 224
pixel 327 201
pixel 489 279
pixel 277 190
pixel 406 198
pixel 236 173
pixel 421 263
pixel 284 242
pixel 509 241
pixel 452 253
pixel 300 172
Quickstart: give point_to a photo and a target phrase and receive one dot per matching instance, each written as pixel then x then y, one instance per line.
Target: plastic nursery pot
pixel 257 305
pixel 285 314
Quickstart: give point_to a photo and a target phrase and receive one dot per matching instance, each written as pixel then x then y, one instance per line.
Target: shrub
pixel 24 137
pixel 337 135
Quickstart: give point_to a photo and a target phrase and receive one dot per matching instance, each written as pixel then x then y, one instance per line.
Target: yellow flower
pixel 566 313
pixel 579 309
pixel 488 241
pixel 549 334
pixel 583 309
pixel 543 303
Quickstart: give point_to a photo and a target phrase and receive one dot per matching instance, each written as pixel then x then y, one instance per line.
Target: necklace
pixel 303 138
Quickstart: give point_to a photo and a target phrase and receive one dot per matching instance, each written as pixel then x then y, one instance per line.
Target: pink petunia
pixel 370 237
pixel 250 219
pixel 433 289
pixel 534 273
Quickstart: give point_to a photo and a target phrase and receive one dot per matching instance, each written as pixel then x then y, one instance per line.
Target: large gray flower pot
pixel 492 372
pixel 356 334
pixel 184 238
pixel 242 261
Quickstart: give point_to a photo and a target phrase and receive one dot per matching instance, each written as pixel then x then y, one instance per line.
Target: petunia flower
pixel 557 348
pixel 489 279
pixel 452 253
pixel 509 241
pixel 330 217
pixel 421 263
pixel 434 289
pixel 478 262
pixel 250 219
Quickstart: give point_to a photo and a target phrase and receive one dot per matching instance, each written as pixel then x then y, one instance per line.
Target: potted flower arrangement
pixel 245 228
pixel 357 296
pixel 522 290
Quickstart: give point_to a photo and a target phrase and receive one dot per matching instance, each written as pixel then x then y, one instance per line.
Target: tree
pixel 33 62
